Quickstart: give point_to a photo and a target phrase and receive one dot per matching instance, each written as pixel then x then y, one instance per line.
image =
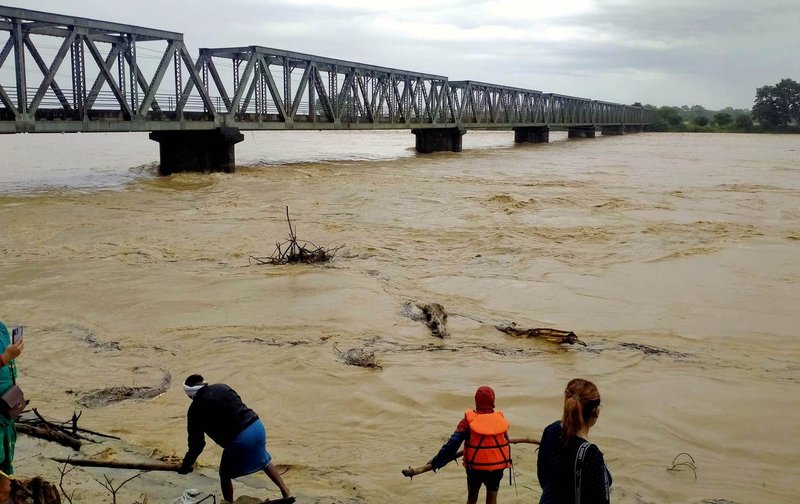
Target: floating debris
pixel 683 464
pixel 360 357
pixel 110 395
pixel 435 318
pixel 547 333
pixel 296 251
pixel 651 350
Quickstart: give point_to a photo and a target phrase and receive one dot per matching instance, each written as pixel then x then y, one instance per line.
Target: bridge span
pixel 124 78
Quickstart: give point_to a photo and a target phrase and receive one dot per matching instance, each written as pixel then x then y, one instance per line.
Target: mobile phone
pixel 16 335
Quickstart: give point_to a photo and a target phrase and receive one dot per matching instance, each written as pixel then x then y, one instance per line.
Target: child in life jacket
pixel 487 451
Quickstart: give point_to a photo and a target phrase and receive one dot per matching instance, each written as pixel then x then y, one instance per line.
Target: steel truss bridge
pixel 111 77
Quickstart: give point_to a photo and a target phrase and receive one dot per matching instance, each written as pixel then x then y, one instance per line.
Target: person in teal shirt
pixel 8 433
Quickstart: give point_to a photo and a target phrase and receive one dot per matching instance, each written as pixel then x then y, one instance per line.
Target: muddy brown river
pixel 674 257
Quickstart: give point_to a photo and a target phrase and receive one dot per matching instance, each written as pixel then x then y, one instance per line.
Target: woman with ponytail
pixel 570 468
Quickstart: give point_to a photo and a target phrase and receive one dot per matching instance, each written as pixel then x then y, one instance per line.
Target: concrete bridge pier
pixel 614 130
pixel 197 150
pixel 438 139
pixel 581 132
pixel 534 134
pixel 633 128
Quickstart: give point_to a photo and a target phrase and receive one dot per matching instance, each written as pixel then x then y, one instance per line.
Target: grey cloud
pixel 667 52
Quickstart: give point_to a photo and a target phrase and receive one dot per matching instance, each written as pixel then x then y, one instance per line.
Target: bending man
pixel 217 410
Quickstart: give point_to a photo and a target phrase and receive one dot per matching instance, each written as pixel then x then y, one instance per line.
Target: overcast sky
pixel 713 53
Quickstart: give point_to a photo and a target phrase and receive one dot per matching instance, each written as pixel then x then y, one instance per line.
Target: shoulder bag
pixel 578 468
pixel 12 401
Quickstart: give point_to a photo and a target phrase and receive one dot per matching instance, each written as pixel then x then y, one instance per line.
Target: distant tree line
pixel 698 118
pixel 776 109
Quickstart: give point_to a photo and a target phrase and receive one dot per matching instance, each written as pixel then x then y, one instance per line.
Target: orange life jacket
pixel 487 448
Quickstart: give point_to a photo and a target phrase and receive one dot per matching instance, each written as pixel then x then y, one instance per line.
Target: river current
pixel 674 257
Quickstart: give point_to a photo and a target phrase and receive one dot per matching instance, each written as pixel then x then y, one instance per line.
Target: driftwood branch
pixel 555 335
pixel 413 471
pixel 65 433
pixel 109 485
pixel 64 471
pixel 49 434
pixel 95 433
pixel 73 429
pixel 142 466
pixel 296 251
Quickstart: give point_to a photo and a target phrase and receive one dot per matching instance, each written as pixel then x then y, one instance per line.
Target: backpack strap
pixel 579 468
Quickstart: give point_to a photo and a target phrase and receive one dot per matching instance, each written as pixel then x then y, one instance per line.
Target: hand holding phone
pixel 16 335
pixel 13 350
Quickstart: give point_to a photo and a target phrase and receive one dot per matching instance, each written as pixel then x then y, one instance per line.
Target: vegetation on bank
pixel 776 110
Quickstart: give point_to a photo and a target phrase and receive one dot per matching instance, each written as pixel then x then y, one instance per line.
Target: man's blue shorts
pixel 247 453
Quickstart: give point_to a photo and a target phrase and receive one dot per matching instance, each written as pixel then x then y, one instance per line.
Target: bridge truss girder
pixel 101 53
pixel 246 87
pixel 295 90
pixel 272 85
pixel 486 105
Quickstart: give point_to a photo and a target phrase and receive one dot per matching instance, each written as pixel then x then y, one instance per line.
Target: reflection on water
pixel 674 257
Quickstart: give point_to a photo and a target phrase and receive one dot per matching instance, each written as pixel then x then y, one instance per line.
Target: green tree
pixel 743 122
pixel 722 118
pixel 701 120
pixel 698 111
pixel 668 119
pixel 778 105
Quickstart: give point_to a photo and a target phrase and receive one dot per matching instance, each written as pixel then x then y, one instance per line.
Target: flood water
pixel 675 257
